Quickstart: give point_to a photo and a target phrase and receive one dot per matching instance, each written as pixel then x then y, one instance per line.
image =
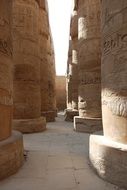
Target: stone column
pixel 27 95
pixel 75 79
pixel 68 78
pixel 72 77
pixel 48 98
pixel 110 157
pixel 11 143
pixel 89 57
pixel 51 112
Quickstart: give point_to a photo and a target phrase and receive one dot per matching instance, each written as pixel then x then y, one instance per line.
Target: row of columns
pixel 72 80
pixel 89 57
pixel 27 82
pixel 102 89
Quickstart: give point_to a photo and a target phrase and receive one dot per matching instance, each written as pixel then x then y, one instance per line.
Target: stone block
pixel 11 154
pixel 70 114
pixel 50 115
pixel 87 125
pixel 109 159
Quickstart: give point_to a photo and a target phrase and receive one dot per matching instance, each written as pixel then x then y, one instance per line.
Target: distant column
pixel 72 76
pixel 47 69
pixel 89 55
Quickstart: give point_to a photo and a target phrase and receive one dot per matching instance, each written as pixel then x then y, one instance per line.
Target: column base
pixel 50 115
pixel 70 114
pixel 30 125
pixel 11 155
pixel 87 125
pixel 109 159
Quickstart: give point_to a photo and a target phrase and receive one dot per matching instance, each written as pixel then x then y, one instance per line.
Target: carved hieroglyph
pixel 114 70
pixel 89 56
pixel 6 67
pixel 108 153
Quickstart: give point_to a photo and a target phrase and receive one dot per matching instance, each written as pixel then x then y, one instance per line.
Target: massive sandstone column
pixel 75 79
pixel 89 58
pixel 68 78
pixel 27 94
pixel 110 157
pixel 47 68
pixel 72 77
pixel 51 107
pixel 11 143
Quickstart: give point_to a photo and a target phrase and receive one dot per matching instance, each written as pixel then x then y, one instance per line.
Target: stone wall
pixel 61 92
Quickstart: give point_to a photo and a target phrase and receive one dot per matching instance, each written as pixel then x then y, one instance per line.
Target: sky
pixel 59 17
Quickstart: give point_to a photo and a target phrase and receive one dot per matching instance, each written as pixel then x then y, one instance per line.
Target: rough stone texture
pixel 11 154
pixel 5 70
pixel 50 115
pixel 68 77
pixel 87 125
pixel 47 68
pixel 111 150
pixel 70 114
pixel 32 125
pixel 72 71
pixel 68 92
pixel 27 97
pixel 109 159
pixel 50 105
pixel 11 144
pixel 89 59
pixel 61 92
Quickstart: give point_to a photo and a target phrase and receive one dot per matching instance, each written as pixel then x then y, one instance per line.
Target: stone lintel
pixel 87 125
pixel 11 154
pixel 109 159
pixel 30 125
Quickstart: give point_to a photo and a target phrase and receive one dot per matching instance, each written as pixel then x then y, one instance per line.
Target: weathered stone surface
pixel 42 3
pixel 89 55
pixel 72 71
pixel 114 71
pixel 30 125
pixel 6 67
pixel 68 93
pixel 61 92
pixel 109 160
pixel 89 60
pixel 70 114
pixel 11 154
pixel 50 115
pixel 87 125
pixel 27 97
pixel 11 143
pixel 74 25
